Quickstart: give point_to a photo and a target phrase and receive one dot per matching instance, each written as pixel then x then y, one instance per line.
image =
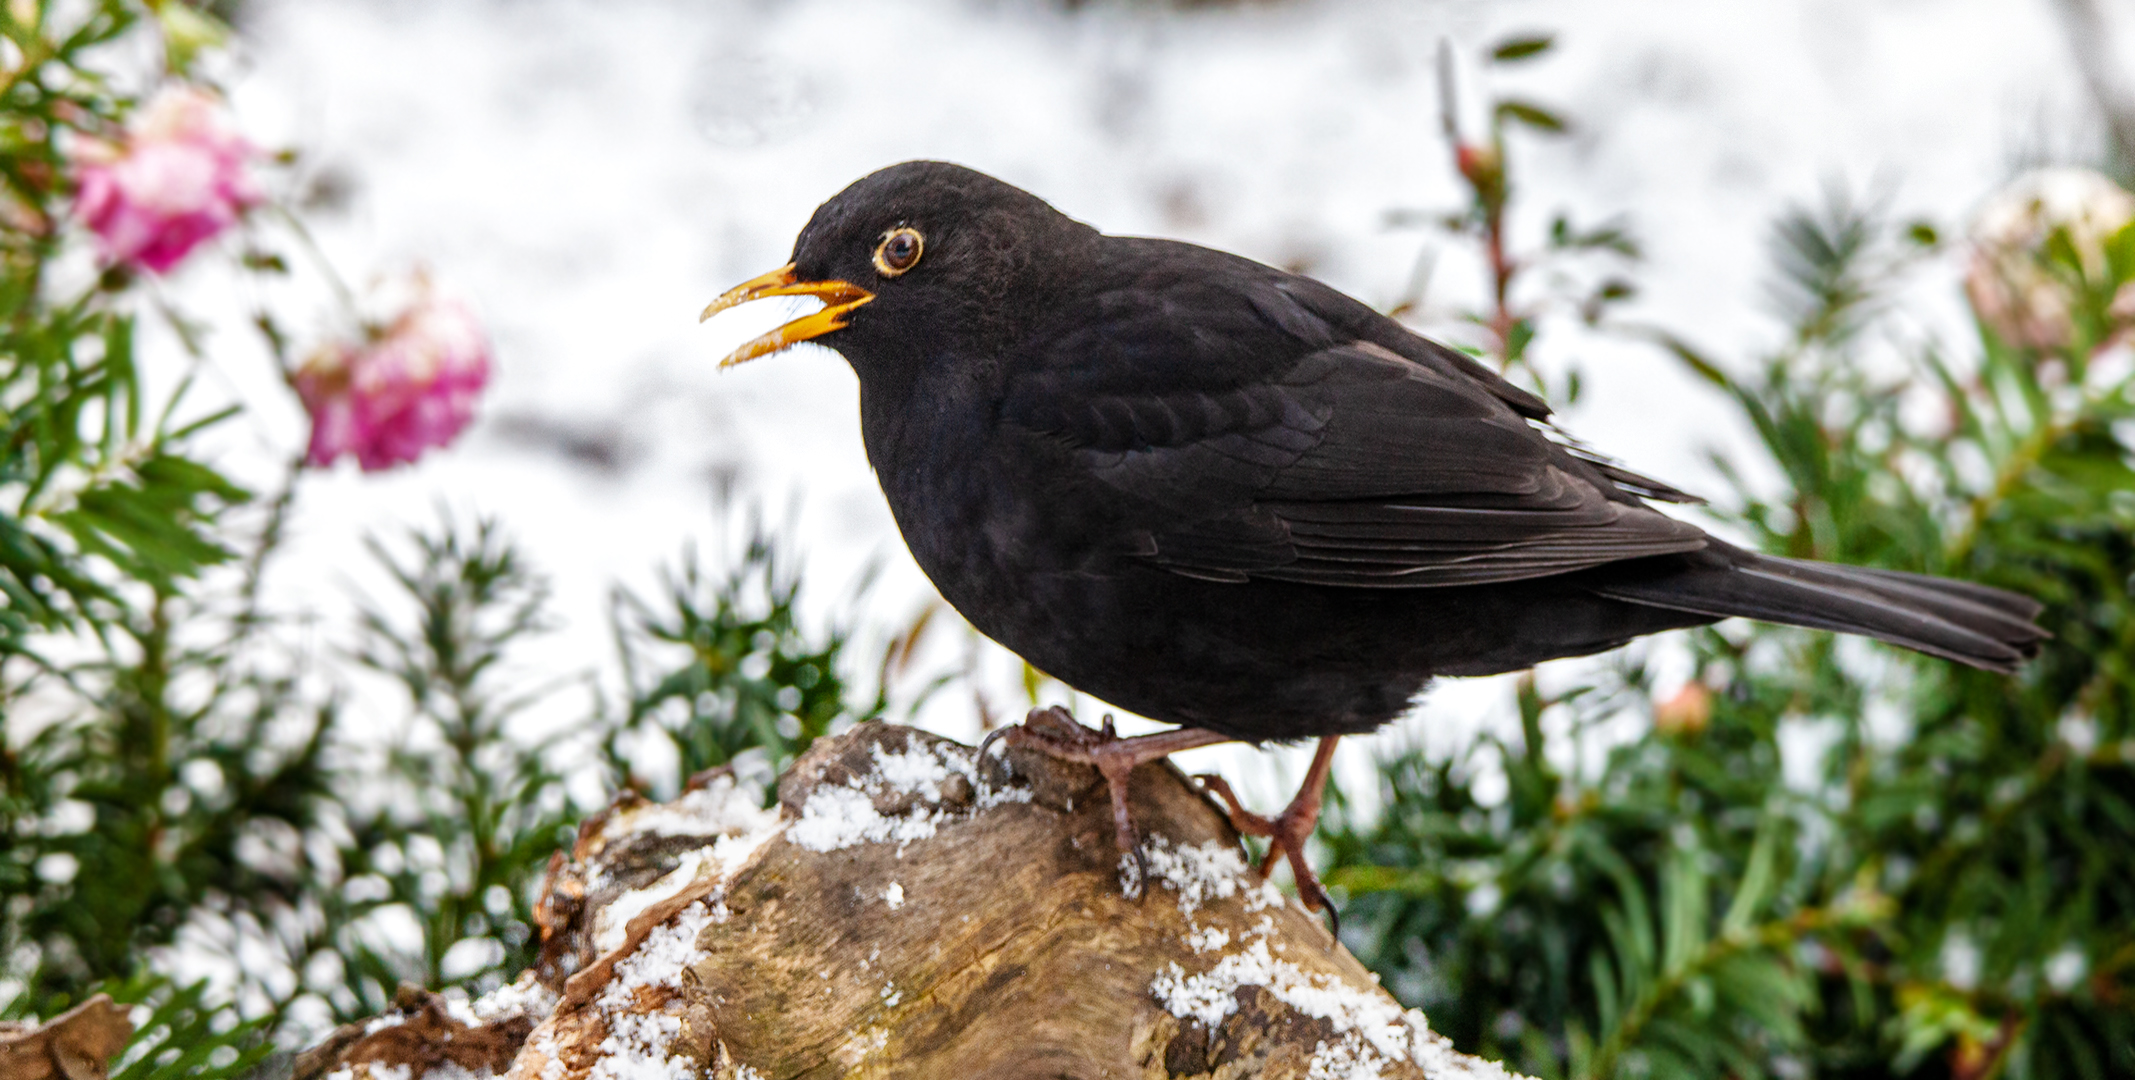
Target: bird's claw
pixel 1286 833
pixel 1053 732
pixel 979 759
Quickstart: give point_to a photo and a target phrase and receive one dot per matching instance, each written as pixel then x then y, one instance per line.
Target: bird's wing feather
pixel 1249 435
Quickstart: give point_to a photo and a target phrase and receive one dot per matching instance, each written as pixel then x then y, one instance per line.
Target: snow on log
pixel 896 916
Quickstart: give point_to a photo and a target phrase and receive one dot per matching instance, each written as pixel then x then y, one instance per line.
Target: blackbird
pixel 1233 499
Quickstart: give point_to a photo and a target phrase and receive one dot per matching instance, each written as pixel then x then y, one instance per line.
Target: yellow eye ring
pixel 899 251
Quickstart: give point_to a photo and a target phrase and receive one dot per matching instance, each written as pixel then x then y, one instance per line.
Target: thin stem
pixel 1502 270
pixel 270 540
pixel 345 296
pixel 2020 462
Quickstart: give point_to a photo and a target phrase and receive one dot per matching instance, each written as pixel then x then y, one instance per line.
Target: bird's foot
pixel 1054 733
pixel 1288 831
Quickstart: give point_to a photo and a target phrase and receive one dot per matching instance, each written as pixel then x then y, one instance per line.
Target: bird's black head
pixel 916 262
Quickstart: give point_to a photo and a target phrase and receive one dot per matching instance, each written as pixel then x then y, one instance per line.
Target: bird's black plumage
pixel 1230 497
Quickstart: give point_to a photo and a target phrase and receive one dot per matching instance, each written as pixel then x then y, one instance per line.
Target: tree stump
pixel 894 916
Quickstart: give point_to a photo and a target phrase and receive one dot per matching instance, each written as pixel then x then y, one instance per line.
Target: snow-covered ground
pixel 589 175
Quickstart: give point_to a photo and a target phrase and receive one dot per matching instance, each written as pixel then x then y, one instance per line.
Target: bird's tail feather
pixel 1971 624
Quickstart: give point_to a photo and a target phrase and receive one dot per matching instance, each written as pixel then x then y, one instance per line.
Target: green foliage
pixel 141 804
pixel 1827 858
pixel 186 1034
pixel 455 825
pixel 722 667
pixel 454 828
pixel 96 483
pixel 177 785
pixel 143 757
pixel 273 822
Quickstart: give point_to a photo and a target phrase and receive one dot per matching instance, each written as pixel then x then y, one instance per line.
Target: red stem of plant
pixel 1501 272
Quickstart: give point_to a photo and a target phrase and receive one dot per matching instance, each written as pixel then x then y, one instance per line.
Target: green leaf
pixel 1522 333
pixel 2120 256
pixel 1512 50
pixel 1699 364
pixel 188 31
pixel 1758 877
pixel 187 1038
pixel 1532 115
pixel 124 390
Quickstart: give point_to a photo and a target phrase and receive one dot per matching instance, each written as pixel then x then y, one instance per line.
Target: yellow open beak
pixel 839 299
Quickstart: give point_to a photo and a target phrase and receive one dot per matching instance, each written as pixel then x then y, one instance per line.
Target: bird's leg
pixel 1288 831
pixel 1054 732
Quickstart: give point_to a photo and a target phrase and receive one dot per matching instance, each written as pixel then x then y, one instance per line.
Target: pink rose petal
pixel 412 388
pixel 176 179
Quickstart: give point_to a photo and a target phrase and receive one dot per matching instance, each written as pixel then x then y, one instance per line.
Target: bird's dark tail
pixel 1957 620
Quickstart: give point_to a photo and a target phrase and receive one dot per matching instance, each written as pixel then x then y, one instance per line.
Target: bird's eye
pixel 898 251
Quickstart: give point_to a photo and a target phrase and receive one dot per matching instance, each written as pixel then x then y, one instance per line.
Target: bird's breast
pixel 993 513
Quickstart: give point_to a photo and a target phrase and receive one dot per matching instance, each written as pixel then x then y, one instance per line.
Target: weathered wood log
pixel 895 916
pixel 75 1045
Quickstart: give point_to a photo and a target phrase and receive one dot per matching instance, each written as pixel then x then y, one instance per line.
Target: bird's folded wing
pixel 1352 465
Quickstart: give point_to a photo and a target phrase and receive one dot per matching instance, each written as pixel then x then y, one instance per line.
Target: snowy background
pixel 589 175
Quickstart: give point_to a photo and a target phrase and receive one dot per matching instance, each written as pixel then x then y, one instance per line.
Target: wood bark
pixel 75 1045
pixel 900 913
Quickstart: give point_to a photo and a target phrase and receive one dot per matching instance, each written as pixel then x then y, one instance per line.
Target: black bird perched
pixel 1233 499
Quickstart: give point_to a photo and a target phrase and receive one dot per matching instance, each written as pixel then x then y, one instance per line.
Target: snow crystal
pixel 552 1066
pixel 1208 940
pixel 893 896
pixel 839 816
pixel 1339 1062
pixel 636 1049
pixel 729 852
pixel 1372 1029
pixel 383 1021
pixel 1441 1062
pixel 835 818
pixel 526 997
pixel 712 810
pixel 457 1007
pixel 1206 871
pixel 611 924
pixel 636 1044
pixel 451 1070
pixel 920 770
pixel 370 1070
pixel 742 827
pixel 659 959
pixel 717 809
pixel 862 1044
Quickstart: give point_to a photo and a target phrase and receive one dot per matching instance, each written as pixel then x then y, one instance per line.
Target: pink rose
pixel 176 178
pixel 2008 282
pixel 405 390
